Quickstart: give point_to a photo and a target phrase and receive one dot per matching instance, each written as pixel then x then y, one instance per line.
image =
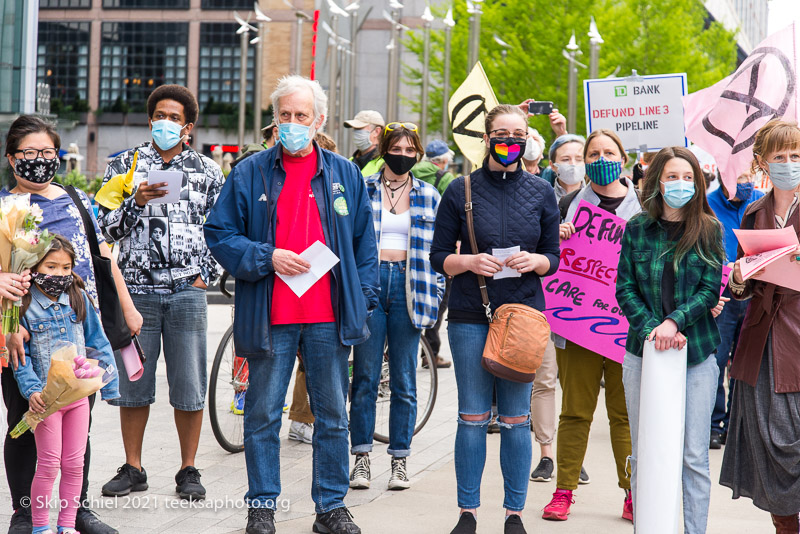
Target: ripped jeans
pixel 475 387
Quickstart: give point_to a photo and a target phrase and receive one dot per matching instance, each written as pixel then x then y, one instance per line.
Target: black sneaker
pixel 188 484
pixel 360 475
pixel 466 524
pixel 514 525
pixel 87 522
pixel 337 521
pixel 21 521
pixel 260 521
pixel 584 477
pixel 543 471
pixel 128 479
pixel 715 442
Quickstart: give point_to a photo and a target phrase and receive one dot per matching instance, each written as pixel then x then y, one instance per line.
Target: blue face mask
pixel 166 134
pixel 785 176
pixel 294 137
pixel 745 190
pixel 678 193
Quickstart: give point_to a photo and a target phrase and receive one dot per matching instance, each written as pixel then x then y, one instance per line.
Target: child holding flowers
pixel 57 309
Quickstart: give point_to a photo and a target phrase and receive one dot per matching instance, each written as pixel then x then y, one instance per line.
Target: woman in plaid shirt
pixel 403 212
pixel 669 276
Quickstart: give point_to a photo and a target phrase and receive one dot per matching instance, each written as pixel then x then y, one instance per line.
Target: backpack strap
pixel 439 174
pixel 564 203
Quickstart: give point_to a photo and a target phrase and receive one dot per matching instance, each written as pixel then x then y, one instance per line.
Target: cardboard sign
pixel 645 111
pixel 581 297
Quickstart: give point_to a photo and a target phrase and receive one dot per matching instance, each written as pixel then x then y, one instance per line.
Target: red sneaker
pixel 558 509
pixel 627 507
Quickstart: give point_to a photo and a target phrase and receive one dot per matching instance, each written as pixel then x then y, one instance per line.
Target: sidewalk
pixel 428 507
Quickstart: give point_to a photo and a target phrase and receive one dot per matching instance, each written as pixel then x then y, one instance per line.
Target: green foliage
pixel 94 185
pixel 651 36
pixel 73 178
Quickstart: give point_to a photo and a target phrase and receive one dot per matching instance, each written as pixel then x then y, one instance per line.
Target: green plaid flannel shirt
pixel 645 250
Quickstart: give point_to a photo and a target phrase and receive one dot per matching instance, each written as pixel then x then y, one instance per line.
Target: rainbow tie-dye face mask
pixel 506 150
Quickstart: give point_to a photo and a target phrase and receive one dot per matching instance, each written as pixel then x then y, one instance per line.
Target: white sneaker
pixel 399 479
pixel 301 431
pixel 360 475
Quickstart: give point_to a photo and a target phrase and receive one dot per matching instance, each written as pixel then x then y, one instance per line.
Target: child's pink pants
pixel 60 444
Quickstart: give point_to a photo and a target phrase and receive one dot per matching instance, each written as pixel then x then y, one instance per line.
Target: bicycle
pixel 230 378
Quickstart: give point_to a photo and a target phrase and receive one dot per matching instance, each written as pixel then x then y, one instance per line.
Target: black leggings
pixel 20 453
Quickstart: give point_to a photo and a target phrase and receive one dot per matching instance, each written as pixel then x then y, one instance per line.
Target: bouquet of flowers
pixel 22 245
pixel 71 377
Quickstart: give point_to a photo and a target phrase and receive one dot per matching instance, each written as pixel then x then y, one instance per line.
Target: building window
pixel 137 57
pixel 61 4
pixel 220 59
pixel 227 4
pixel 144 4
pixel 63 62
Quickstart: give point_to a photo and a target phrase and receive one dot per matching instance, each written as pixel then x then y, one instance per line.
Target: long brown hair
pixel 75 291
pixel 701 227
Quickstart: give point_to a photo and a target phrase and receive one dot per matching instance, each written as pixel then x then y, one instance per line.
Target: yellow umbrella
pixel 117 188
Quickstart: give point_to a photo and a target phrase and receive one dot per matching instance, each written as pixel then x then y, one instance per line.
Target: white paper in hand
pixel 174 180
pixel 322 260
pixel 503 254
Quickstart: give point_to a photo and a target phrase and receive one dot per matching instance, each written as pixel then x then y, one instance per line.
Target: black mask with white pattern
pixel 38 171
pixel 52 284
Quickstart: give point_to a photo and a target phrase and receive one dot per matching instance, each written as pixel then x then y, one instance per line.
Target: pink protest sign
pixel 581 300
pixel 581 305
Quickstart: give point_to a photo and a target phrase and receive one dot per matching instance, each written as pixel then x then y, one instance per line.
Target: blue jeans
pixel 475 386
pixel 325 361
pixel 701 383
pixel 390 321
pixel 180 320
pixel 729 323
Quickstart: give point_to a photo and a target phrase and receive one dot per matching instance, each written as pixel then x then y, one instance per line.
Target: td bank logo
pixel 620 90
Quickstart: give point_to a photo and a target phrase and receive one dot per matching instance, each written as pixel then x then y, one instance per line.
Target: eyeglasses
pixel 32 153
pixel 392 126
pixel 522 134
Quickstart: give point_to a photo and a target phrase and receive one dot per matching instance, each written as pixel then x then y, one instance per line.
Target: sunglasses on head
pixel 392 126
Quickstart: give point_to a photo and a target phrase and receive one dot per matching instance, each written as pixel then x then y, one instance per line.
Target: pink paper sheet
pixel 775 248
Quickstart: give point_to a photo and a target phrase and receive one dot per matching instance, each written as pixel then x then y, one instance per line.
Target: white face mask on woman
pixel 570 174
pixel 533 150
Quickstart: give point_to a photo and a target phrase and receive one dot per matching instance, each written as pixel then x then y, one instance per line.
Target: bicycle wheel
pixel 427 386
pixel 229 380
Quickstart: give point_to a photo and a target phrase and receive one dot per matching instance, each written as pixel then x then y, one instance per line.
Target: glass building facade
pixel 63 60
pixel 220 60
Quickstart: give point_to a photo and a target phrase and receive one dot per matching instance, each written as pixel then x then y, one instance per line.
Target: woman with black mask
pixel 403 211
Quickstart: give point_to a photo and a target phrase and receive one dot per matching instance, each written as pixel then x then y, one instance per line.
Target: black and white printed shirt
pixel 161 246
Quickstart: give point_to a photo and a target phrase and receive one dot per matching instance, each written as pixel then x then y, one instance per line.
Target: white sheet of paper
pixel 174 181
pixel 503 254
pixel 322 260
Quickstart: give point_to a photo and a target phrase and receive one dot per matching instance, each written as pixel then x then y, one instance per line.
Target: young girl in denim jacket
pixel 55 310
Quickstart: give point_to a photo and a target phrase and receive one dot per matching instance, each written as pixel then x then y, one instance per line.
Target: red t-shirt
pixel 299 226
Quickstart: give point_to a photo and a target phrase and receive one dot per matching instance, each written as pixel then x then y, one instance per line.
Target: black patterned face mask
pixel 38 171
pixel 52 284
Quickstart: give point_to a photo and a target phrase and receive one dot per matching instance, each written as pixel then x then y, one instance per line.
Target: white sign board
pixel 645 111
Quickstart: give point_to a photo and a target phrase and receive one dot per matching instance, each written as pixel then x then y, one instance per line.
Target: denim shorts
pixel 180 320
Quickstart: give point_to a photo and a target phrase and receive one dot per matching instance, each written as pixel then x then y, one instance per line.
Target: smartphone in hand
pixel 138 348
pixel 540 108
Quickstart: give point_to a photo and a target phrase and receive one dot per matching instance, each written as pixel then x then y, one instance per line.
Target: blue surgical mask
pixel 678 193
pixel 294 137
pixel 745 190
pixel 785 176
pixel 166 134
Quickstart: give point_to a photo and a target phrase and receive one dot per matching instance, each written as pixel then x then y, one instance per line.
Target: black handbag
pixel 114 324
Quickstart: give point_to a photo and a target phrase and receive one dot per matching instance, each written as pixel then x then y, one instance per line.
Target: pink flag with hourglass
pixel 724 118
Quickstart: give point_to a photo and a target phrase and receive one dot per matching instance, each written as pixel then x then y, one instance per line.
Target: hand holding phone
pixel 540 108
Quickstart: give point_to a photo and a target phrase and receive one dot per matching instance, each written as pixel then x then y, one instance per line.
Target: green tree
pixel 651 36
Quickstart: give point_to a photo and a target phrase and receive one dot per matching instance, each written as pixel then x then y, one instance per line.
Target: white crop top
pixel 394 229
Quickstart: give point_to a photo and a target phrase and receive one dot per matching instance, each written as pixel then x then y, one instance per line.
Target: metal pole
pixel 298 45
pixel 257 86
pixel 242 87
pixel 333 64
pixel 475 36
pixel 391 97
pixel 594 53
pixel 351 84
pixel 446 83
pixel 573 87
pixel 423 134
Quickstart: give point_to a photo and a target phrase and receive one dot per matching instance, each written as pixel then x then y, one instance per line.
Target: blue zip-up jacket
pixel 50 322
pixel 509 209
pixel 240 232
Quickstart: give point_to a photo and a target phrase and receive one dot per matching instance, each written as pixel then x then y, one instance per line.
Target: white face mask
pixel 361 139
pixel 570 174
pixel 533 150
